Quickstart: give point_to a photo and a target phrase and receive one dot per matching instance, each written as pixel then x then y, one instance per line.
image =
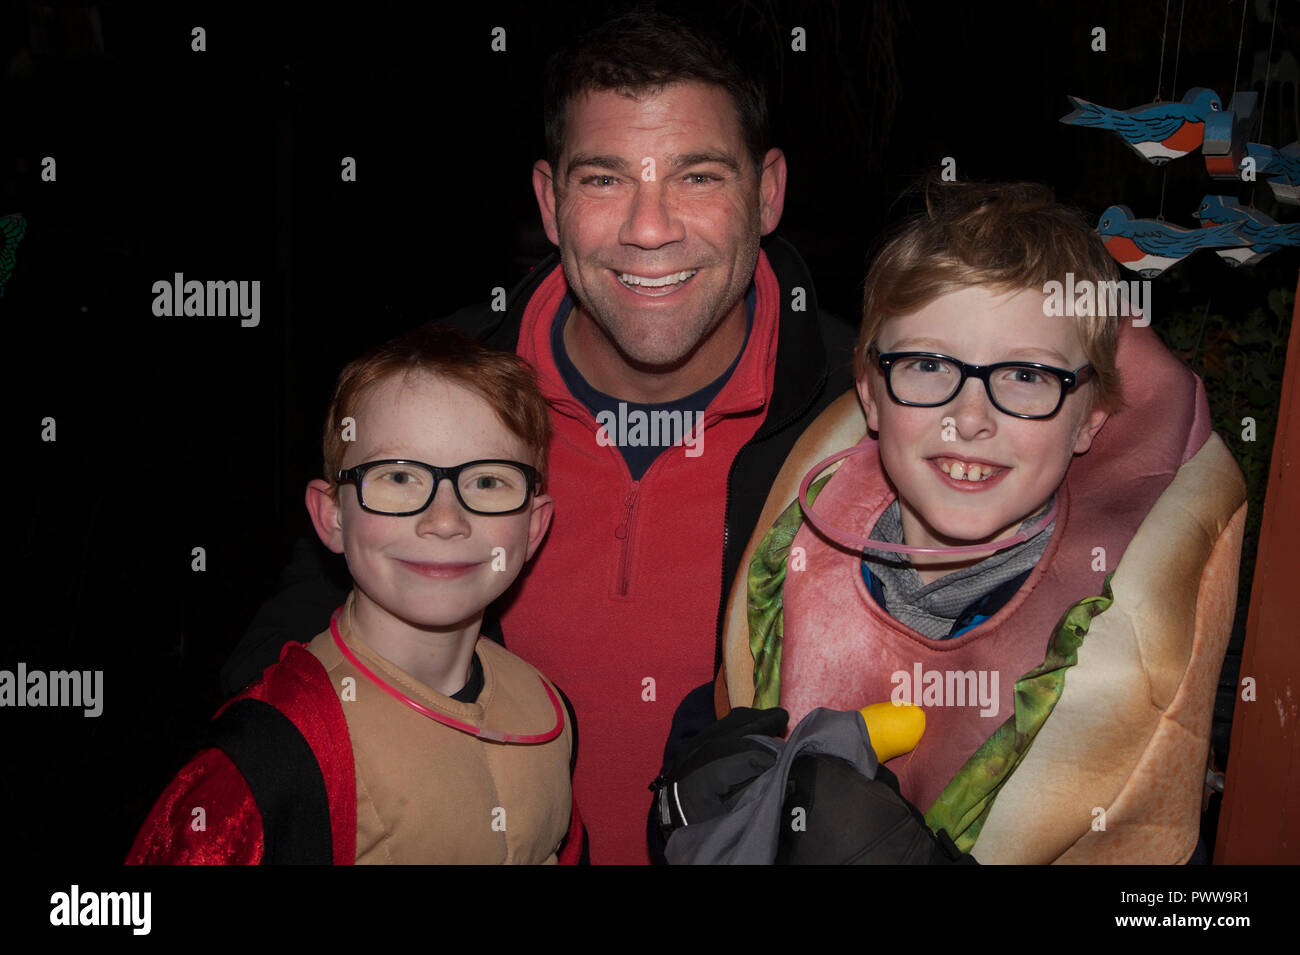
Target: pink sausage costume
pixel 1092 748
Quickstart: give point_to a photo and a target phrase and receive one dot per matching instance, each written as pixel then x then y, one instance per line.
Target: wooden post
pixel 1260 818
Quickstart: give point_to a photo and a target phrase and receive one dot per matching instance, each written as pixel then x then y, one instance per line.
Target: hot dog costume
pixel 398 787
pixel 1108 654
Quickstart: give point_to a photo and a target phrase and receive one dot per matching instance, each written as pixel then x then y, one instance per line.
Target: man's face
pixel 658 211
pixel 435 569
pixel 1029 457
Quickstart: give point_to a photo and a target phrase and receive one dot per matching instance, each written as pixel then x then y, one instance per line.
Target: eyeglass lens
pixel 399 488
pixel 1018 389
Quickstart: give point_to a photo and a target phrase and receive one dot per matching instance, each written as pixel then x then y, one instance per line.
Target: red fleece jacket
pixel 619 605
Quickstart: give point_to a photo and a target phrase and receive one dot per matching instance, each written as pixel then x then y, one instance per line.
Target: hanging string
pixel 1173 91
pixel 1241 35
pixel 1268 70
pixel 1165 35
pixel 1178 51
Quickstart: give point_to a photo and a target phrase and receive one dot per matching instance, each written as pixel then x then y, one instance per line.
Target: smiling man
pixel 658 209
pixel 663 305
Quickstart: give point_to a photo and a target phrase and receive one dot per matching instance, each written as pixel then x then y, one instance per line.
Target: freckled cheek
pixel 514 541
pixel 360 530
pixel 903 465
pixel 1053 448
pixel 907 433
pixel 363 552
pixel 1041 469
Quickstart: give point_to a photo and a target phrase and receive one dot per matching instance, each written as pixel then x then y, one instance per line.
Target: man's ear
pixel 869 404
pixel 771 190
pixel 326 515
pixel 1091 425
pixel 539 521
pixel 544 189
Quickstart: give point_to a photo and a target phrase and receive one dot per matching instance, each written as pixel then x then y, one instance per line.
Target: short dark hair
pixel 645 51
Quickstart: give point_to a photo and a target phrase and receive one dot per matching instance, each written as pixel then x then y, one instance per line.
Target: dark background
pixel 225 165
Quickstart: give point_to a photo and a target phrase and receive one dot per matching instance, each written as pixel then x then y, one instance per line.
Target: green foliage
pixel 1240 356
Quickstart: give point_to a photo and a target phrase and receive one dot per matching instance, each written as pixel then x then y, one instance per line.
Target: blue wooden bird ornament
pixel 1280 166
pixel 1264 234
pixel 1226 133
pixel 1149 246
pixel 1158 132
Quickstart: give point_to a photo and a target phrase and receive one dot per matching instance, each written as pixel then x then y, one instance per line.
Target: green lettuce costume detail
pixel 766 600
pixel 965 802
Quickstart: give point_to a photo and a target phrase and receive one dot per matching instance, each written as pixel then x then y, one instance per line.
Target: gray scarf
pixel 931 609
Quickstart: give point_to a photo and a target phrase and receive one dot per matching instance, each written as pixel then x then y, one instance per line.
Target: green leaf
pixel 1280 303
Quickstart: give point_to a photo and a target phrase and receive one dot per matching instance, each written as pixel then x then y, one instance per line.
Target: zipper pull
pixel 620 532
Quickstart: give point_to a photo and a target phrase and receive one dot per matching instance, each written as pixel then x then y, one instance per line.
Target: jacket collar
pixel 801 370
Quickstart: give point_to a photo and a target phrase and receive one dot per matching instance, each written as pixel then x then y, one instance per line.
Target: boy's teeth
pixel 627 278
pixel 961 471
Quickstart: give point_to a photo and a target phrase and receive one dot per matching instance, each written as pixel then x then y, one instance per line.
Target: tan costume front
pixel 431 794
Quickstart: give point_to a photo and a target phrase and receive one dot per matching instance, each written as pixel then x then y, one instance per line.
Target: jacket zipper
pixel 624 533
pixel 624 530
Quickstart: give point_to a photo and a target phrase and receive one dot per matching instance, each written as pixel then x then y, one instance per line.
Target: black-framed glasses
pixel 401 488
pixel 1021 389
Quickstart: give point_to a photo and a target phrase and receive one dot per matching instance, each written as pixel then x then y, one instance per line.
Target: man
pixel 680 362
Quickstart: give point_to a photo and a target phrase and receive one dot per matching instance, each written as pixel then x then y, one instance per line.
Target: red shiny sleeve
pixel 574 847
pixel 206 816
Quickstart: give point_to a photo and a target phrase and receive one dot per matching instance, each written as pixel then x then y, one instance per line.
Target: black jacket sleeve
pixel 315 582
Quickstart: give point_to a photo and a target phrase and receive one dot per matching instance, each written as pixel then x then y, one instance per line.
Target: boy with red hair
pixel 397 735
